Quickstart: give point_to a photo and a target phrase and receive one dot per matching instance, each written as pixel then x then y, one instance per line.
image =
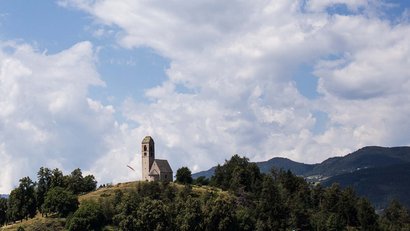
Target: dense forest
pixel 237 197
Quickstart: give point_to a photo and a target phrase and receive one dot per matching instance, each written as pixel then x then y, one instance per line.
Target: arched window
pixel 145 148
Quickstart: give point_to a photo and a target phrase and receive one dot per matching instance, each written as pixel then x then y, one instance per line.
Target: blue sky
pixel 51 28
pixel 82 82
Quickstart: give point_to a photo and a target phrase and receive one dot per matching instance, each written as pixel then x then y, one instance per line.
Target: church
pixel 153 169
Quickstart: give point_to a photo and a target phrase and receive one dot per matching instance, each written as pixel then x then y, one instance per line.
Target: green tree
pixel 89 183
pixel 347 207
pixel 335 222
pixel 152 215
pixel 22 200
pixel 318 220
pixel 331 197
pixel 237 174
pixel 201 181
pixel 75 181
pixel 270 207
pixel 245 218
pixel 126 219
pixel 395 217
pixel 3 211
pixel 150 189
pixel 15 205
pixel 29 197
pixel 189 214
pixel 218 215
pixel 184 175
pixel 57 179
pixel 88 217
pixel 79 184
pixel 366 215
pixel 60 201
pixel 44 176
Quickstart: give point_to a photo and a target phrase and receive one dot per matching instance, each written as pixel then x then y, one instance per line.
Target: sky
pixel 83 81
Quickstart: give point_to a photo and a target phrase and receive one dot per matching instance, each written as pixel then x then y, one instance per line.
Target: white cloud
pixel 237 60
pixel 47 118
pixel 373 62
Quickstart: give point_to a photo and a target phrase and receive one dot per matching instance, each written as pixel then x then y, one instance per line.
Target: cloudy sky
pixel 83 81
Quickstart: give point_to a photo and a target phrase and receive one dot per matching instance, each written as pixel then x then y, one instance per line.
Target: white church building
pixel 153 169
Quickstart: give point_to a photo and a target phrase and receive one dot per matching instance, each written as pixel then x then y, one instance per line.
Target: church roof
pixel 163 165
pixel 147 139
pixel 153 172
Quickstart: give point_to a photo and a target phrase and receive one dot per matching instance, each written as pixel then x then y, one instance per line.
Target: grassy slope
pixel 52 223
pixel 58 223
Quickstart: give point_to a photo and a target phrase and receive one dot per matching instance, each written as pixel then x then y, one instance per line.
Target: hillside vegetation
pixel 377 173
pixel 238 197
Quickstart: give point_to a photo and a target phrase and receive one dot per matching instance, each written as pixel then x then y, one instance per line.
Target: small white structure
pixel 153 169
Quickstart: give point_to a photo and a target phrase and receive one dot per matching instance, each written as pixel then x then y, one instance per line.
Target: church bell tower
pixel 148 156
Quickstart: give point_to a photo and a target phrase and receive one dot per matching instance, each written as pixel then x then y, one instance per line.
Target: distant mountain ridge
pixel 4 196
pixel 379 173
pixel 265 166
pixel 367 157
pixel 380 185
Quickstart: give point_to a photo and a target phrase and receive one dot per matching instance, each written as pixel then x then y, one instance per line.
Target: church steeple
pixel 148 156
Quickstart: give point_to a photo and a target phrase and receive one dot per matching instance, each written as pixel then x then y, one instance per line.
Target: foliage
pixel 88 217
pixel 58 179
pixel 79 184
pixel 395 217
pixel 189 214
pixel 366 216
pixel 89 183
pixel 22 201
pixel 3 211
pixel 217 215
pixel 201 181
pixel 30 197
pixel 237 174
pixel 240 198
pixel 152 215
pixel 44 177
pixel 184 175
pixel 60 201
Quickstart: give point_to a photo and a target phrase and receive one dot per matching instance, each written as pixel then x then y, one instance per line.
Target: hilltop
pixel 240 198
pixel 102 195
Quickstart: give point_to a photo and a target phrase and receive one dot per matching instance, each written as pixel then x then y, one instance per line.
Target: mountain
pixel 266 166
pixel 285 164
pixel 4 196
pixel 207 174
pixel 378 173
pixel 380 185
pixel 367 157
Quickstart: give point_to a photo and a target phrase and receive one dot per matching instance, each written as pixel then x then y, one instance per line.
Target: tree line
pixel 53 193
pixel 282 201
pixel 238 197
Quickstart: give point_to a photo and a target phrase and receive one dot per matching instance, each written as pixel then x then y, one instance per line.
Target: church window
pixel 145 147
